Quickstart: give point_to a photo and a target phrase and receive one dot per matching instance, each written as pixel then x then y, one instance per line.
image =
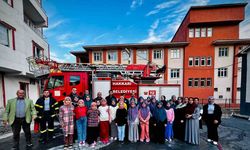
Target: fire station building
pixel 201 57
pixel 21 36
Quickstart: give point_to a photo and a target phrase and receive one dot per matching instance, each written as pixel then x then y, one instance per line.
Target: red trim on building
pixel 12 4
pixel 12 32
pixel 90 56
pixel 166 63
pixel 13 40
pixel 150 54
pixel 3 90
pixel 34 44
pixel 183 74
pixel 119 53
pixel 235 75
pixel 104 54
pixel 134 56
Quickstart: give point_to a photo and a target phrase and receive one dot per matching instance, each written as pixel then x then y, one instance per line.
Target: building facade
pixel 201 57
pixel 21 36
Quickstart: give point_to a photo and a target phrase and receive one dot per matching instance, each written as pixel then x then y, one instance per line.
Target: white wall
pixel 222 83
pixel 239 79
pixel 248 78
pixel 175 64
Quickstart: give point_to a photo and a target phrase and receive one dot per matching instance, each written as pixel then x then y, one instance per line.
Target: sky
pixel 75 23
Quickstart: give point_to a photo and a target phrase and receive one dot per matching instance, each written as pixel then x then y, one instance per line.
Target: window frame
pixel 175 53
pixel 191 30
pixel 124 52
pixel 73 82
pixel 197 33
pixel 222 72
pixel 209 59
pixel 190 80
pixel 209 32
pixel 114 57
pixel 139 52
pixel 95 56
pixel 209 80
pixel 175 73
pixel 203 80
pixel 204 32
pixel 196 80
pixel 7 40
pixel 157 52
pixel 203 59
pixel 223 51
pixel 191 59
pixel 197 59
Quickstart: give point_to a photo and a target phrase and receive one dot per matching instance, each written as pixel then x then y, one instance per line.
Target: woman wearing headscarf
pixel 144 116
pixel 112 110
pixel 169 134
pixel 160 122
pixel 133 121
pixel 179 121
pixel 163 100
pixel 152 106
pixel 192 114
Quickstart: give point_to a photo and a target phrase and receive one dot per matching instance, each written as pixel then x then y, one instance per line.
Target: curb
pixel 241 116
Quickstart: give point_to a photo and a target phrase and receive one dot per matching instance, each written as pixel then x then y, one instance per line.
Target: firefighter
pixel 46 107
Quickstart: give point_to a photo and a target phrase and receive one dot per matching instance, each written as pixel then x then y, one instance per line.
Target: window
pixel 203 61
pixel 209 61
pixel 222 72
pixel 191 32
pixel 142 54
pixel 190 61
pixel 157 54
pixel 197 32
pixel 203 82
pixel 4 35
pixel 223 51
pixel 125 56
pixel 203 32
pixel 175 53
pixel 209 32
pixel 220 96
pixel 97 56
pixel 215 89
pixel 112 56
pixel 9 2
pixel 74 80
pixel 196 82
pixel 55 81
pixel 38 51
pixel 209 81
pixel 197 61
pixel 228 89
pixel 190 82
pixel 175 73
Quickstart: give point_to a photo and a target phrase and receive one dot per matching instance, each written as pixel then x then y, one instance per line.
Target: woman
pixel 160 122
pixel 192 114
pixel 169 134
pixel 133 121
pixel 179 122
pixel 144 116
pixel 163 100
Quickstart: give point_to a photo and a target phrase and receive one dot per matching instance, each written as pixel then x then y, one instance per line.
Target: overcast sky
pixel 74 23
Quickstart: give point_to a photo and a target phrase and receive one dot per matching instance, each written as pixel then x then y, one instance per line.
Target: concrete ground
pixel 234 135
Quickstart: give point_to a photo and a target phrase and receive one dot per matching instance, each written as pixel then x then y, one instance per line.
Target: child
pixel 144 116
pixel 160 122
pixel 93 121
pixel 81 122
pixel 112 110
pixel 104 121
pixel 169 134
pixel 133 121
pixel 66 118
pixel 87 101
pixel 120 120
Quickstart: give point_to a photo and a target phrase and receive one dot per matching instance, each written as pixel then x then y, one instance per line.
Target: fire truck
pixel 60 78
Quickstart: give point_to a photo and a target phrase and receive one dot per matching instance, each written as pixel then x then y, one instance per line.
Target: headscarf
pixel 113 99
pixel 144 110
pixel 152 105
pixel 167 107
pixel 132 112
pixel 87 103
pixel 160 113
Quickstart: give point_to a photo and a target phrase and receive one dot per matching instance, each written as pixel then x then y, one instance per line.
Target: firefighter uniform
pixel 46 111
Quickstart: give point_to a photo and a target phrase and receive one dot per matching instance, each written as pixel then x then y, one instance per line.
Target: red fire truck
pixel 140 79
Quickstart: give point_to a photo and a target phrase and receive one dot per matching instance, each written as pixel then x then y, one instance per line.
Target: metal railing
pixel 33 26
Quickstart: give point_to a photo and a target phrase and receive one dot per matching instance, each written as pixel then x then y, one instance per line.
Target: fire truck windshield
pixel 55 81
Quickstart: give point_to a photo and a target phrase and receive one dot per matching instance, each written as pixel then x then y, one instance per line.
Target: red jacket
pixel 80 112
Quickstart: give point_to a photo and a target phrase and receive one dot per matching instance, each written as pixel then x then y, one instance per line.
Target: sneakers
pixel 80 144
pixel 29 145
pixel 111 138
pixel 215 143
pixel 71 147
pixel 209 140
pixel 83 143
pixel 115 138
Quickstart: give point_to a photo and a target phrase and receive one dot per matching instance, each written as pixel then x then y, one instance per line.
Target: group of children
pixel 144 119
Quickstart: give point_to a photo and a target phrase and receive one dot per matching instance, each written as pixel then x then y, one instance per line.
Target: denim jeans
pixel 121 132
pixel 81 125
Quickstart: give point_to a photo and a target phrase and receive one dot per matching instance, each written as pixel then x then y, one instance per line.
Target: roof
pixel 218 6
pixel 232 42
pixel 136 45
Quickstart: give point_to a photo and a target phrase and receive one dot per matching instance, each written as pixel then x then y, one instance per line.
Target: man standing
pixel 74 96
pixel 46 107
pixel 19 112
pixel 98 99
pixel 212 117
pixel 110 97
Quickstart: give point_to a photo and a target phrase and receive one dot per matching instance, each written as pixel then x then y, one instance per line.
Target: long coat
pixel 216 116
pixel 192 130
pixel 10 111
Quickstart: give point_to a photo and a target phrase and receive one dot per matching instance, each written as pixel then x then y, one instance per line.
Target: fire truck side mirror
pixel 64 94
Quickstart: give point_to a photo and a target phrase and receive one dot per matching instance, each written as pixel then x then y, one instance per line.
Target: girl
pixel 81 122
pixel 192 112
pixel 66 118
pixel 179 121
pixel 160 122
pixel 133 121
pixel 144 116
pixel 169 128
pixel 120 120
pixel 93 121
pixel 104 121
pixel 112 110
pixel 87 101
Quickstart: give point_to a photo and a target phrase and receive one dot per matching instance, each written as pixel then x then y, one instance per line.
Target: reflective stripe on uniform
pixel 50 130
pixel 53 115
pixel 43 131
pixel 54 104
pixel 38 106
pixel 56 108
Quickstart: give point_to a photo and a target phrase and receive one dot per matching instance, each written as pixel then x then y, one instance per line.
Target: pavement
pixel 234 134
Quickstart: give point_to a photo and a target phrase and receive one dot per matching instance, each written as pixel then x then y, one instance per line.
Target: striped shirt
pixel 93 117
